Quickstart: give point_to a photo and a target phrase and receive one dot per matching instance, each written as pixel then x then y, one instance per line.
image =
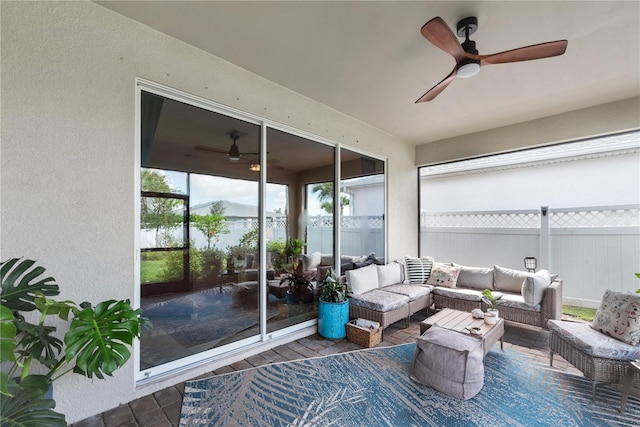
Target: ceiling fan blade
pixel 438 33
pixel 437 89
pixel 527 53
pixel 210 149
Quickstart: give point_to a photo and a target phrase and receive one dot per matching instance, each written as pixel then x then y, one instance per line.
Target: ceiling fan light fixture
pixel 234 152
pixel 468 68
pixel 255 167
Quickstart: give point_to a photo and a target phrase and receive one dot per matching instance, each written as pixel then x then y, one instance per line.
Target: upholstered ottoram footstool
pixel 450 362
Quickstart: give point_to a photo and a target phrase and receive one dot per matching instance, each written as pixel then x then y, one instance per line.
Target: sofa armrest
pixel 551 307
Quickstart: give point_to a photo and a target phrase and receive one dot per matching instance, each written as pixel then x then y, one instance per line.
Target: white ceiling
pixel 367 59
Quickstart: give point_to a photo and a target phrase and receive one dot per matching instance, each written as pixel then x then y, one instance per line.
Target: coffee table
pixel 461 321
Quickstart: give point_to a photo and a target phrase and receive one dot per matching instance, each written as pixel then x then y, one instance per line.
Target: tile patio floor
pixel 163 407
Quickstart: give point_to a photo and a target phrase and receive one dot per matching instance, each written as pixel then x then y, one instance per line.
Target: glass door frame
pixel 161 371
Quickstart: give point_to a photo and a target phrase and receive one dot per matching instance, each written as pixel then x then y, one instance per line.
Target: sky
pixel 205 188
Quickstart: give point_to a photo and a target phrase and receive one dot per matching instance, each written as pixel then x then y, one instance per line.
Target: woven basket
pixel 363 337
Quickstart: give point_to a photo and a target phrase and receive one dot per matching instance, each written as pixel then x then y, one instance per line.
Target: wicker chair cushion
pixel 379 300
pixel 390 274
pixel 450 362
pixel 459 293
pixel 593 343
pixel 414 292
pixel 619 316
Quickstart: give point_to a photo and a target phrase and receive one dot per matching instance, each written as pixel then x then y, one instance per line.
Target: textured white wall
pixel 68 156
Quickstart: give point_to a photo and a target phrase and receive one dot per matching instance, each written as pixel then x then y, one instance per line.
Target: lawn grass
pixel 151 271
pixel 580 312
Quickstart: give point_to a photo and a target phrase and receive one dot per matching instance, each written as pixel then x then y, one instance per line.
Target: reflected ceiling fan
pixel 235 155
pixel 468 62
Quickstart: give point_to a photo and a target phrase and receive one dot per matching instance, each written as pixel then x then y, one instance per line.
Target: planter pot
pixel 332 319
pixel 491 317
pixel 297 297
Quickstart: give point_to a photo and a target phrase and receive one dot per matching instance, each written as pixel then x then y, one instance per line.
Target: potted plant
pixel 333 307
pixel 96 343
pixel 300 285
pixel 292 250
pixel 236 258
pixel 493 301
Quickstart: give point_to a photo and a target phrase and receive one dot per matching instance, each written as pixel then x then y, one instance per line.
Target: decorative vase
pixel 491 317
pixel 332 319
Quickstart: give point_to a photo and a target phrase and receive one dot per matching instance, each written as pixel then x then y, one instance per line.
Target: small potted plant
pixel 493 301
pixel 300 285
pixel 333 307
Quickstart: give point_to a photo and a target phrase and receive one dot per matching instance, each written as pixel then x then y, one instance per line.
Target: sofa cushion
pixel 417 270
pixel 414 292
pixel 459 293
pixel 310 261
pixel 534 286
pixel 475 277
pixel 508 280
pixel 619 316
pixel 389 274
pixel 443 275
pixel 362 279
pixel 513 300
pixel 592 342
pixel 450 362
pixel 379 300
pixel 326 259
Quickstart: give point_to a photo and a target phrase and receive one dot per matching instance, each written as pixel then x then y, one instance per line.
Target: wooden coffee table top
pixel 462 321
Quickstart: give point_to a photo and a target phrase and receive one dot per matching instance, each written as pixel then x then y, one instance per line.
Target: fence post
pixel 544 238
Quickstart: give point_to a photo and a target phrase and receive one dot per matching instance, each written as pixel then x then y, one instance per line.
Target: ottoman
pixel 449 362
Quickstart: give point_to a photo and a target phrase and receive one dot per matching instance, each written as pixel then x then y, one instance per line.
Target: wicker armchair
pixel 599 357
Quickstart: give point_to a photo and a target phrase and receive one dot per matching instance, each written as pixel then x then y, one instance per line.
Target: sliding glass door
pixel 237 226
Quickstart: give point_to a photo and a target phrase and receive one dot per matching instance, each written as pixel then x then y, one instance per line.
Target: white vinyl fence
pixel 591 248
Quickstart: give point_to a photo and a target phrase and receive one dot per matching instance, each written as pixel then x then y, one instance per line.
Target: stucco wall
pixel 68 156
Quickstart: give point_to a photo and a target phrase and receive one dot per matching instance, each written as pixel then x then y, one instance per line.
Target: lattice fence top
pixel 481 220
pixel 312 221
pixel 623 217
pixel 612 216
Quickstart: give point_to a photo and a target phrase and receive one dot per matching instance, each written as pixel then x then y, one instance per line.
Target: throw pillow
pixel 507 280
pixel 417 270
pixel 444 275
pixel 362 279
pixel 311 261
pixel 475 277
pixel 533 287
pixel 619 316
pixel 389 274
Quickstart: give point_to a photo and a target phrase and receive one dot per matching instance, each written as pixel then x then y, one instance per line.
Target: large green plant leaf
pixel 19 282
pixel 7 335
pixel 98 338
pixel 29 405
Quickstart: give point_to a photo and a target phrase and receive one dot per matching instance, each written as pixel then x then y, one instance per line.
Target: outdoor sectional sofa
pixel 380 294
pixel 395 291
pixel 529 298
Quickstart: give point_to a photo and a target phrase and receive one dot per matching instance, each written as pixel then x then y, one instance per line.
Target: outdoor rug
pixel 372 388
pixel 208 316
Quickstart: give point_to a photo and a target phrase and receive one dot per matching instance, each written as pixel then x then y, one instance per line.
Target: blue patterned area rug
pixel 373 388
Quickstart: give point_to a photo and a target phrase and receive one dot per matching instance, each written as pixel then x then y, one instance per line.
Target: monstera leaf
pixel 99 338
pixel 28 405
pixel 20 283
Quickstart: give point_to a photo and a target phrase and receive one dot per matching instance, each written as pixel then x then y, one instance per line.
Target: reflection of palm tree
pixel 325 196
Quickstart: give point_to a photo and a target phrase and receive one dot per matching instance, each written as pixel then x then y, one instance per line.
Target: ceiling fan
pixel 233 153
pixel 468 62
